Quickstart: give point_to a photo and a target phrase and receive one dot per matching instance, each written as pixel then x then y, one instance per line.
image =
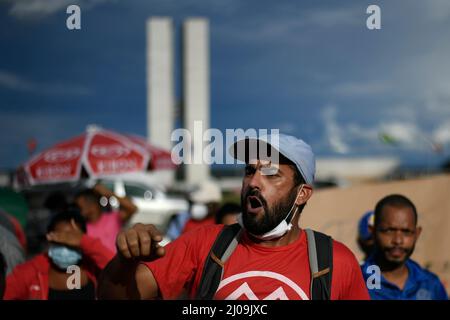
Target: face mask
pixel 281 229
pixel 63 256
pixel 199 211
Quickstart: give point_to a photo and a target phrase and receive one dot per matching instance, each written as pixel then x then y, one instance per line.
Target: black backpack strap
pixel 320 252
pixel 221 250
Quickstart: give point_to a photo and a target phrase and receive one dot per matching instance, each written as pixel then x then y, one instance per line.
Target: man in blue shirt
pixel 389 272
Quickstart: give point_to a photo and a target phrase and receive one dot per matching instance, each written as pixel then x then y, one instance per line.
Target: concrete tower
pixel 160 81
pixel 195 86
pixel 160 85
pixel 196 90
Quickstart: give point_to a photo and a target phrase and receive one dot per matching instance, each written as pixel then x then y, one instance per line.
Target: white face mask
pixel 281 229
pixel 199 211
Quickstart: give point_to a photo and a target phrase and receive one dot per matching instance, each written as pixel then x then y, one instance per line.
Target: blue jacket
pixel 177 224
pixel 420 285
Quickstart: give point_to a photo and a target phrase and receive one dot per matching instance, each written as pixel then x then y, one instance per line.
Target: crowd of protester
pixel 85 235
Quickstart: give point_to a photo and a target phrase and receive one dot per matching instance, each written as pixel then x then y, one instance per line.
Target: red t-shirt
pixel 254 271
pixel 192 224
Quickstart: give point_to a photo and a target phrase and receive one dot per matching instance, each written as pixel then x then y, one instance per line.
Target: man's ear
pixel 303 196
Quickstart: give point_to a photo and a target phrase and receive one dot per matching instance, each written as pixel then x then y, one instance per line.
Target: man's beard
pixel 271 217
pixel 390 264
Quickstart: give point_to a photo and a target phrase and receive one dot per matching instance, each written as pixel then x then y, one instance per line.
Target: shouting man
pixel 267 256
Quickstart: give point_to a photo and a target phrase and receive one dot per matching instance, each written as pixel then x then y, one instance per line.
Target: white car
pixel 154 204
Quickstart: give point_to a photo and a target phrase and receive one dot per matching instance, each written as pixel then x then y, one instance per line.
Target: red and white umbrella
pixel 100 152
pixel 160 158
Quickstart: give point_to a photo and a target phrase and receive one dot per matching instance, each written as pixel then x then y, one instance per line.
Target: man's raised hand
pixel 140 242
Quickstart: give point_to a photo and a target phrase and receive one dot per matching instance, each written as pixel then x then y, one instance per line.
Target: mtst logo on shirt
pixel 259 285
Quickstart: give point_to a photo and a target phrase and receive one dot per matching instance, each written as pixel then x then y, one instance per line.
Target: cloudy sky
pixel 308 68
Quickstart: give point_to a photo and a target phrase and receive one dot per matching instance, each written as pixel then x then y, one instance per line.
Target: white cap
pixel 294 149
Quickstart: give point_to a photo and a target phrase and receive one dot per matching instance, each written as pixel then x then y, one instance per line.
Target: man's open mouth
pixel 254 204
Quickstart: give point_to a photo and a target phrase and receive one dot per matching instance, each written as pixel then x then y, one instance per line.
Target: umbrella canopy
pixel 96 153
pixel 160 158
